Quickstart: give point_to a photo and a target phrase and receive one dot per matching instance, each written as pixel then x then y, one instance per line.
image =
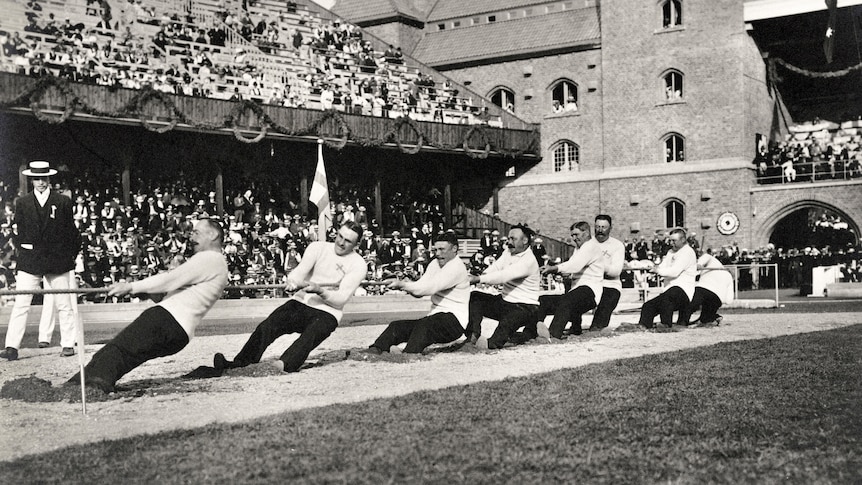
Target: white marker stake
pixel 79 331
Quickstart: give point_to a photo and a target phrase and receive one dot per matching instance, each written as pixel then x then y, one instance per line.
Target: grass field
pixel 786 409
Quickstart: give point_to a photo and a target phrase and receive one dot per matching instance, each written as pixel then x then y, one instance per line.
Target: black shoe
pixel 67 352
pixel 11 353
pixel 373 350
pixel 221 363
pixel 98 383
pixel 44 345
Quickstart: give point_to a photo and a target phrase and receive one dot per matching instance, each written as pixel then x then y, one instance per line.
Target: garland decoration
pixel 480 154
pixel 147 102
pixel 46 84
pixel 139 102
pixel 816 74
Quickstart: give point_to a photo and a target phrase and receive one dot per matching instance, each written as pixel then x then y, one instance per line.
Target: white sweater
pixel 614 253
pixel 679 268
pixel 589 261
pixel 449 287
pixel 519 275
pixel 192 288
pixel 322 266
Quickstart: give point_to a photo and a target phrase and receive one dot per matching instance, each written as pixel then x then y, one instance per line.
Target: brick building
pixel 648 111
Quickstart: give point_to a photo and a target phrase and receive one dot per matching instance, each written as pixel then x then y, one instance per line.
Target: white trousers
pixel 62 302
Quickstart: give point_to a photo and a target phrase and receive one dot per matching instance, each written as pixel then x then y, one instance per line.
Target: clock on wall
pixel 728 223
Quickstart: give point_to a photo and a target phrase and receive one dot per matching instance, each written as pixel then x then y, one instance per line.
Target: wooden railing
pixel 471 224
pixel 215 112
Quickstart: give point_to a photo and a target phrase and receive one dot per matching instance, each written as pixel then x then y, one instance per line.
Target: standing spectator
pixel 47 246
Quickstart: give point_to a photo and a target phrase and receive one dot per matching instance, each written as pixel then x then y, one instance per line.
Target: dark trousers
pixel 510 317
pixel 607 304
pixel 570 308
pixel 705 300
pixel 439 328
pixel 313 325
pixel 155 333
pixel 547 306
pixel 674 299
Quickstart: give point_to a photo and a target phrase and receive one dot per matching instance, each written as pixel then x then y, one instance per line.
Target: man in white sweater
pixel 589 263
pixel 614 253
pixel 518 272
pixel 679 270
pixel 166 328
pixel 447 282
pixel 315 310
pixel 714 287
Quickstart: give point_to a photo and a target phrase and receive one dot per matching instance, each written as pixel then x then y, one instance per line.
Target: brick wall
pixel 583 127
pixel 635 202
pixel 772 203
pixel 708 49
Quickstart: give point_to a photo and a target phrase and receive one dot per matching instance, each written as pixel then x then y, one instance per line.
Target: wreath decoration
pixel 343 129
pixel 480 154
pixel 405 120
pixel 236 114
pixel 140 102
pixel 44 85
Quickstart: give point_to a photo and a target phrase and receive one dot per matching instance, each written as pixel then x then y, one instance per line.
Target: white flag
pixel 319 196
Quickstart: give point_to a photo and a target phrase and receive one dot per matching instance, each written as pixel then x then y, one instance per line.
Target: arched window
pixel 672 82
pixel 674 214
pixel 564 96
pixel 566 156
pixel 504 98
pixel 674 148
pixel 671 13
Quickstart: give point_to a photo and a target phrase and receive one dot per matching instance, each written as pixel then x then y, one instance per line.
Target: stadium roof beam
pixel 768 9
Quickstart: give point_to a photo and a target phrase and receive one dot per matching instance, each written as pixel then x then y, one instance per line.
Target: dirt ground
pixel 155 397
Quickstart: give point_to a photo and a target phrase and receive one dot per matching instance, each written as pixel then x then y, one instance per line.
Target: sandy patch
pixel 157 399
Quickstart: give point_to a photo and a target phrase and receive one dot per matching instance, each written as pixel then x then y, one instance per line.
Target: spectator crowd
pixel 271 55
pixel 827 152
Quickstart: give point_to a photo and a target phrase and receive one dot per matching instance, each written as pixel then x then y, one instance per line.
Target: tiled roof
pixel 360 10
pixel 447 9
pixel 512 37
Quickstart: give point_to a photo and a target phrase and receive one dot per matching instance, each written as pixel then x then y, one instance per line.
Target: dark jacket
pixel 55 239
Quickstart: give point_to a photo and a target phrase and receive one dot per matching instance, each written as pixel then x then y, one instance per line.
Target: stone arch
pixel 764 230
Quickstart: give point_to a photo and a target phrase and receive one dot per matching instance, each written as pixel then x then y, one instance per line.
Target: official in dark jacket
pixel 47 243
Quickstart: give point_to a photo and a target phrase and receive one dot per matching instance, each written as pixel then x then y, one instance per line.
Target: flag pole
pixel 319 195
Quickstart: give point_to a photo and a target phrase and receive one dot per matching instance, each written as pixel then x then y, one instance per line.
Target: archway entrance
pixel 815 227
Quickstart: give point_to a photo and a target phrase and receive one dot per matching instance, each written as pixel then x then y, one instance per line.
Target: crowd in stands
pixel 820 151
pixel 269 55
pixel 266 234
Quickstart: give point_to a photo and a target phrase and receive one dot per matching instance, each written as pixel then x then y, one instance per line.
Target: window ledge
pixel 667 30
pixel 564 114
pixel 671 102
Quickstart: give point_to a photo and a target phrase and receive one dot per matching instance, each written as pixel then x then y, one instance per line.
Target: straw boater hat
pixel 39 168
